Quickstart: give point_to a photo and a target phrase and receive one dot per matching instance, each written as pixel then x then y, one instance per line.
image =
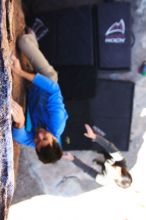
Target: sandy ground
pixel 103 203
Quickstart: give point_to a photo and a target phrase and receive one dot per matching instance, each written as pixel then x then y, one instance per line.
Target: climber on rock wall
pixel 45 108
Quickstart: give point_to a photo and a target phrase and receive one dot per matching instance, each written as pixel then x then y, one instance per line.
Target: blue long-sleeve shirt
pixel 45 103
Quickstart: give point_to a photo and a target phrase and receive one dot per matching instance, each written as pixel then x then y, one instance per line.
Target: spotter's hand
pixel 89 132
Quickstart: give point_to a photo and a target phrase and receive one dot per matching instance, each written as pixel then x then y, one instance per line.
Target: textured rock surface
pixel 9 30
pixel 6 146
pixel 64 179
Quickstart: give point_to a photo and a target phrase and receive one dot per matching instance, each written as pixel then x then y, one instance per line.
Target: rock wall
pixel 10 28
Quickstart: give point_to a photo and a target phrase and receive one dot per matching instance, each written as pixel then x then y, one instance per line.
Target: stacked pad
pixel 81 41
pixel 70 37
pixel 92 36
pixel 110 110
pixel 69 48
pixel 114 32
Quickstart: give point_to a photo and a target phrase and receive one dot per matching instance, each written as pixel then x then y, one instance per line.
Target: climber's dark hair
pixel 50 154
